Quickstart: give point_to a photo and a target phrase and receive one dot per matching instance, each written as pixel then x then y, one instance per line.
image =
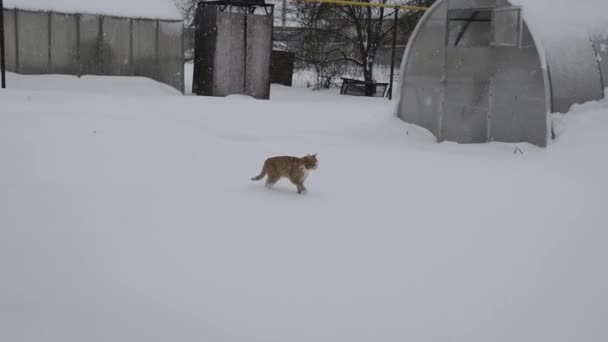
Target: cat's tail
pixel 261 175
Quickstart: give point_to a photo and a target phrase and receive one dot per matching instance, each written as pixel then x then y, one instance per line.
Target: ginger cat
pixel 294 168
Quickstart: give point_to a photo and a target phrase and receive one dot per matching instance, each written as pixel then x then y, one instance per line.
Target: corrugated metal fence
pixel 83 44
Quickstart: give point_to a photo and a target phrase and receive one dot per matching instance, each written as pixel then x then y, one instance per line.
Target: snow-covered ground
pixel 129 215
pixel 99 85
pixel 158 9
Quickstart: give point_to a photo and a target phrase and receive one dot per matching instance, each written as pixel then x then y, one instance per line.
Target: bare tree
pixel 334 39
pixel 316 47
pixel 187 7
pixel 350 34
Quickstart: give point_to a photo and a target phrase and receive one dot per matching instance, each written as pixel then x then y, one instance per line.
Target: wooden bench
pixel 355 87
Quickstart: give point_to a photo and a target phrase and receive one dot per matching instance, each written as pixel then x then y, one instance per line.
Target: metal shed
pixel 84 37
pixel 233 43
pixel 478 71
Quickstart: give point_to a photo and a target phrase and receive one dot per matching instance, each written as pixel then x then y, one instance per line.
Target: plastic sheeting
pixel 9 40
pixel 90 45
pixel 64 44
pixel 170 54
pixel 472 72
pixel 421 99
pixel 116 46
pixel 40 42
pixel 145 58
pixel 518 97
pixel 33 42
pixel 573 72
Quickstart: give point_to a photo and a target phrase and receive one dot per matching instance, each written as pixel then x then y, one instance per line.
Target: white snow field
pixel 158 9
pixel 128 215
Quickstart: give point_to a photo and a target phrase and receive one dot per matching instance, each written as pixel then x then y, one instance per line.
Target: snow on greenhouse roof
pixel 558 18
pixel 156 9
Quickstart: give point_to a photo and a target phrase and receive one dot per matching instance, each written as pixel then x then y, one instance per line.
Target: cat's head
pixel 310 161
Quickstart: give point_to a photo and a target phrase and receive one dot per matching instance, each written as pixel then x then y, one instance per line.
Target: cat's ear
pixel 314 155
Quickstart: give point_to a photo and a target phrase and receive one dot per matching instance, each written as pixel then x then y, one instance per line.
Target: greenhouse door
pixel 467 76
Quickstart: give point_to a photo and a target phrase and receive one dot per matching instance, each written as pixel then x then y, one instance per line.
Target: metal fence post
pixel 390 94
pixel 100 39
pixel 49 66
pixel 131 66
pixel 2 47
pixel 78 52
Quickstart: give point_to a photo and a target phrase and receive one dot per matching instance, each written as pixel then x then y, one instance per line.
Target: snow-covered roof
pixel 557 18
pixel 156 9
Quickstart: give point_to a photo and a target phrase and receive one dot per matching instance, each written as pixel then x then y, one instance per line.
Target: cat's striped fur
pixel 294 168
